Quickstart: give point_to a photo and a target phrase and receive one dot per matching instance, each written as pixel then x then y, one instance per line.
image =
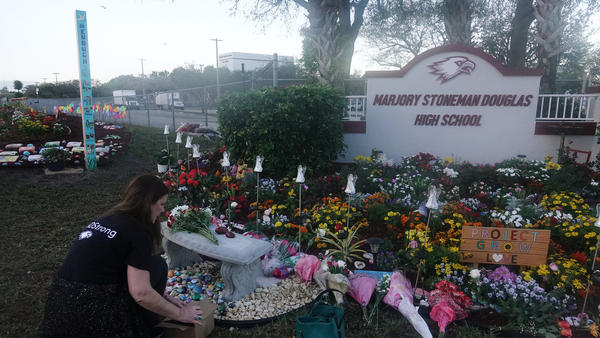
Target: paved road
pixel 158 118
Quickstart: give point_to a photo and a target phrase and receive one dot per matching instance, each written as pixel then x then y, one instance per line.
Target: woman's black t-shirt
pixel 104 248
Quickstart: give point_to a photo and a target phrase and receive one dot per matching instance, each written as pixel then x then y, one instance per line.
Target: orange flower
pixel 594 329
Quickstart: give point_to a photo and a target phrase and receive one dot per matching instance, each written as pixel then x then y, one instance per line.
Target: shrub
pixel 287 126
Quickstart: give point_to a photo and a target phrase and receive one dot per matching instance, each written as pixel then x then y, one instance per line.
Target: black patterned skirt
pixel 76 309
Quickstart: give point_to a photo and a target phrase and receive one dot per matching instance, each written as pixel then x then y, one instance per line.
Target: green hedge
pixel 287 126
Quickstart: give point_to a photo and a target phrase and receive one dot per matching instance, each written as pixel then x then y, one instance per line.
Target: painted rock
pixel 171 273
pixel 196 296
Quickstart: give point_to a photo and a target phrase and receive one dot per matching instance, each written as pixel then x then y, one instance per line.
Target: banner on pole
pixel 85 88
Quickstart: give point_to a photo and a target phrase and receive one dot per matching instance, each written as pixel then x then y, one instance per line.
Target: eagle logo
pixel 451 67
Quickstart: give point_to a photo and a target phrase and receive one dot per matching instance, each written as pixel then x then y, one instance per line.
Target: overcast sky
pixel 38 37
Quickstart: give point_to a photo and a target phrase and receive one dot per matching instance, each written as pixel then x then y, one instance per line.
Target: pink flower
pixel 413 244
pixel 553 266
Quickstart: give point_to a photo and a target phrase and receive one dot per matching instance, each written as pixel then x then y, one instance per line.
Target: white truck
pixel 126 97
pixel 168 100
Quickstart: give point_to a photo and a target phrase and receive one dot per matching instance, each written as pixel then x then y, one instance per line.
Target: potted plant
pixel 163 159
pixel 55 158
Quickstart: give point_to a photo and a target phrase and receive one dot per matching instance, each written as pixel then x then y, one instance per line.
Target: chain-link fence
pixel 175 107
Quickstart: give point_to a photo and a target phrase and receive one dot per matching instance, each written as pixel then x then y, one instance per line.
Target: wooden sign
pixel 506 246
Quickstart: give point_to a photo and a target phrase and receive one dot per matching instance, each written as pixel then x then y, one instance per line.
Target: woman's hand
pixel 173 300
pixel 190 314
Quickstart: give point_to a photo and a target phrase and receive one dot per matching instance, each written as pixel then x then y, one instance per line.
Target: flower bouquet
pixel 191 219
pixel 447 304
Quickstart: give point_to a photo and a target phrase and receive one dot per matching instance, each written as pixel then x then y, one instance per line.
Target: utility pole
pixel 216 40
pixel 56 78
pixel 44 79
pixel 144 92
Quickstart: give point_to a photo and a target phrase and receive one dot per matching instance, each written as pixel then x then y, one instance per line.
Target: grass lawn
pixel 41 216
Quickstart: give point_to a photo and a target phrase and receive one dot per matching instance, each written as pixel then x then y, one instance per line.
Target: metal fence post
pixel 204 110
pixel 147 110
pixel 173 108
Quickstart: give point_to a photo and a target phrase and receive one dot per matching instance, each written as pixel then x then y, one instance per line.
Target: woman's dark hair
pixel 140 194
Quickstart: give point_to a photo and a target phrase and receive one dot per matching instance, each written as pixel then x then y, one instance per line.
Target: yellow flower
pixel 278 224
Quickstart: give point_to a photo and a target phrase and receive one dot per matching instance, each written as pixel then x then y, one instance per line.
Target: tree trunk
pixel 518 34
pixel 333 34
pixel 549 32
pixel 457 20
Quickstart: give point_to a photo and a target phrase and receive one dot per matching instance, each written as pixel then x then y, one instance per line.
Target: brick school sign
pixel 506 246
pixel 454 101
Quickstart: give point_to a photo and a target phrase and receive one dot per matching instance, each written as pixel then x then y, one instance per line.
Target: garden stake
pixel 300 181
pixel 196 155
pixel 299 213
pixel 350 189
pixel 432 203
pixel 178 141
pixel 257 189
pixel 587 289
pixel 188 146
pixel 228 199
pixel 225 165
pixel 258 169
pixel 166 132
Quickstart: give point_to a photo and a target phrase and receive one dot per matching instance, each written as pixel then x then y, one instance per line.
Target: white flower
pixel 175 212
pixel 474 274
pixel 450 172
pixel 321 232
pixel 234 204
pixel 341 264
